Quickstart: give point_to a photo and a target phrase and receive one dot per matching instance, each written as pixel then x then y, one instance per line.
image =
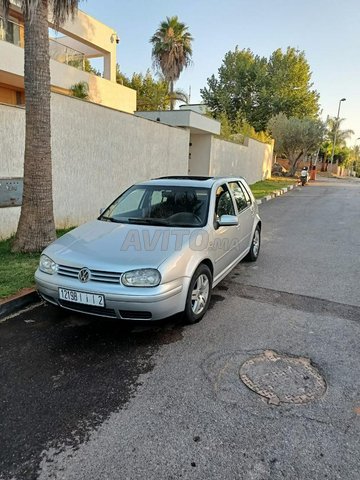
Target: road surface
pixel 83 398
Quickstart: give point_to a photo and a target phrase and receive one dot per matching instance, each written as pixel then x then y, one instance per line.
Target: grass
pixel 265 187
pixel 17 269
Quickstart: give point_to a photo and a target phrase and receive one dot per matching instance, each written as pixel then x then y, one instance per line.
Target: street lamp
pixel 336 128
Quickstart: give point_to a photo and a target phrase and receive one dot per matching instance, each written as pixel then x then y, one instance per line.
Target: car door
pixel 245 213
pixel 225 238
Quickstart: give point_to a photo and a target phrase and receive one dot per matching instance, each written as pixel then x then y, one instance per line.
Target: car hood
pixel 118 246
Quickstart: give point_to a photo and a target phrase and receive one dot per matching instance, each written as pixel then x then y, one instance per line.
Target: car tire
pixel 254 251
pixel 198 297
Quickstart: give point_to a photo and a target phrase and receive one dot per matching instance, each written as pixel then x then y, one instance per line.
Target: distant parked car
pixel 157 250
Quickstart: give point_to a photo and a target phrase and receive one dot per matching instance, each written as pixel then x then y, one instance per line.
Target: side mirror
pixel 102 210
pixel 227 220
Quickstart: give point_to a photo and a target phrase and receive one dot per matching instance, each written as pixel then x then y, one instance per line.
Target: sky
pixel 326 30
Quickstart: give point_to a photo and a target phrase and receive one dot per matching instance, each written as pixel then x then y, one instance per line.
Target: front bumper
pixel 127 303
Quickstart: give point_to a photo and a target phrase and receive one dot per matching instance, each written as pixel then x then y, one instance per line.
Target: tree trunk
pixel 294 164
pixel 323 163
pixel 172 100
pixel 36 228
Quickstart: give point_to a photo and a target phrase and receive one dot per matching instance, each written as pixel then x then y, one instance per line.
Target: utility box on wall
pixel 11 191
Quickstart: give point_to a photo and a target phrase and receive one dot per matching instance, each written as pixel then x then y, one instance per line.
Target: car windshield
pixel 175 206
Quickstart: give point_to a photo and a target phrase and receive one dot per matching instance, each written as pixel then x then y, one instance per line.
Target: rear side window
pixel 246 193
pixel 241 198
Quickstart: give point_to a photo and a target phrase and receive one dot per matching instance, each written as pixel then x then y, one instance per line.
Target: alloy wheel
pixel 200 294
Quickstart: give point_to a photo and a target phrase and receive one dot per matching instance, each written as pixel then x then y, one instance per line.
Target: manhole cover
pixel 282 379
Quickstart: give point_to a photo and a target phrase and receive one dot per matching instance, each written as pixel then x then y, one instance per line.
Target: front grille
pixel 135 315
pixel 79 307
pixel 95 275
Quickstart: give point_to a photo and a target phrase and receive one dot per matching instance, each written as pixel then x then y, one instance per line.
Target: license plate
pixel 85 298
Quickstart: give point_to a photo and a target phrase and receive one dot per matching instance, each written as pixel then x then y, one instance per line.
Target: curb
pixel 276 193
pixel 18 302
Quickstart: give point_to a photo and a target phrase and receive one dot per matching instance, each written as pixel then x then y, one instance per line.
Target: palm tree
pixel 333 126
pixel 337 136
pixel 80 90
pixel 171 51
pixel 176 95
pixel 36 227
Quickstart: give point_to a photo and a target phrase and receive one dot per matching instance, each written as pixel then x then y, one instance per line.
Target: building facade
pixel 77 42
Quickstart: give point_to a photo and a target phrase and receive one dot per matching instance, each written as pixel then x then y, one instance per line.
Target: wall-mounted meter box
pixel 11 191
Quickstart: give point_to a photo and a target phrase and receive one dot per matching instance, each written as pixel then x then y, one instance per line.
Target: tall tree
pixel 333 125
pixel 36 227
pixel 335 132
pixel 171 51
pixel 239 89
pixel 295 137
pixel 152 93
pixel 356 159
pixel 290 89
pixel 258 88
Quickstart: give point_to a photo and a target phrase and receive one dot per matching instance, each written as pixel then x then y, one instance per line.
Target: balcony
pixel 77 42
pixel 12 32
pixel 66 55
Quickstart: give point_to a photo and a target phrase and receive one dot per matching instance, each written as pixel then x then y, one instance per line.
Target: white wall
pixel 252 161
pixel 97 152
pixel 11 153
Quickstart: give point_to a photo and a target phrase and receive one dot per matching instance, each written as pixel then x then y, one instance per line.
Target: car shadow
pixel 63 374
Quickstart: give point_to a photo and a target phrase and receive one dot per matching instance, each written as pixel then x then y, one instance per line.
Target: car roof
pixel 188 181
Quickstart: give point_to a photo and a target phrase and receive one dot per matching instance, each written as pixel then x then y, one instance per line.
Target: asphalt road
pixel 88 399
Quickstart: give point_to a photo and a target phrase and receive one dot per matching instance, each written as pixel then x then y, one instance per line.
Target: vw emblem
pixel 84 275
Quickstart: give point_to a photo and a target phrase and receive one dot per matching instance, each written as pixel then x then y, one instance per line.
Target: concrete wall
pixel 252 161
pixel 97 152
pixel 337 170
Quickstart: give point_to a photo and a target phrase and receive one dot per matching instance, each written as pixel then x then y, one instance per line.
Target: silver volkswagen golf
pixel 157 250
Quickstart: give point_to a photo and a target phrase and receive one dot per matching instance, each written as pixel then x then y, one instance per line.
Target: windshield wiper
pixel 148 221
pixel 110 219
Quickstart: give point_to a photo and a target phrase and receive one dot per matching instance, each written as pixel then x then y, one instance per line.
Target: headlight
pixel 147 277
pixel 47 265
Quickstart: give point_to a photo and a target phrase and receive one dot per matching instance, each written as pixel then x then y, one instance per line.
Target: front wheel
pixel 254 251
pixel 198 297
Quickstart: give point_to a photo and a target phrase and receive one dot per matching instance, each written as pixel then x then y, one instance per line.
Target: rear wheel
pixel 254 251
pixel 198 297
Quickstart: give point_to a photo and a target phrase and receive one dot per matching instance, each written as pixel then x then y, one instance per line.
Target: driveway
pixel 88 399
